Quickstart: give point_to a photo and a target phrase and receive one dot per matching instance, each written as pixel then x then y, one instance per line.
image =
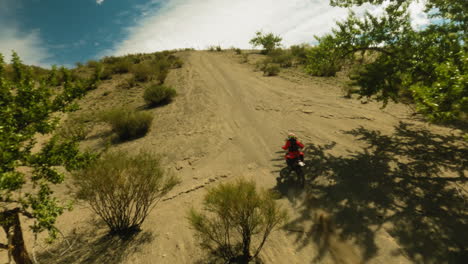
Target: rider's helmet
pixel 292 136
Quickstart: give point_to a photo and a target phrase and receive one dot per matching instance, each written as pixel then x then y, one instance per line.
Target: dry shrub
pixel 162 70
pixel 237 218
pixel 106 73
pixel 123 189
pixel 76 126
pixel 110 59
pixel 270 69
pixel 281 57
pixel 144 71
pixel 128 83
pixel 177 63
pixel 215 48
pixel 158 94
pixel 122 65
pixel 245 58
pixel 92 64
pixel 128 124
pixel 299 52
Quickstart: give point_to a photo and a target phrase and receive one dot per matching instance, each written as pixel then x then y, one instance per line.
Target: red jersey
pixel 293 154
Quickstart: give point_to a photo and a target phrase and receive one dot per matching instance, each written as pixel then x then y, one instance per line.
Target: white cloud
pixel 29 47
pixel 418 17
pixel 99 2
pixel 201 23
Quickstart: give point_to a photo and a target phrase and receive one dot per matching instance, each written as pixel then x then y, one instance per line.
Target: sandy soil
pixel 362 202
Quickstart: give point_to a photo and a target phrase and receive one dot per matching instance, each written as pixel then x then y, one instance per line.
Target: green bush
pixel 76 126
pixel 128 83
pixel 215 48
pixel 270 69
pixel 281 57
pixel 106 73
pixel 143 72
pixel 123 189
pixel 269 41
pixel 299 52
pixel 238 51
pixel 110 59
pixel 177 63
pixel 128 124
pixel 135 58
pixel 93 64
pixel 158 94
pixel 237 218
pixel 162 67
pixel 321 60
pixel 245 58
pixel 161 75
pixel 123 65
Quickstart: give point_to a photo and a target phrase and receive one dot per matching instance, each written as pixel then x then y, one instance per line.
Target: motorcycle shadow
pixel 288 179
pixel 293 181
pixel 288 184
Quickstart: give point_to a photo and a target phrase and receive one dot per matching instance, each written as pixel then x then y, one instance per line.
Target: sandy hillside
pixel 229 121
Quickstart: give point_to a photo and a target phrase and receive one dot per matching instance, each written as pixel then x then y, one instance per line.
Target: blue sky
pixel 62 32
pixel 68 30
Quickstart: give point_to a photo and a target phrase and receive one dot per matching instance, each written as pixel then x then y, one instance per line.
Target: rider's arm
pixel 286 146
pixel 300 144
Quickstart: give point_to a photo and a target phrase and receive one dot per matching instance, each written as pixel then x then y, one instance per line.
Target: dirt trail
pixel 229 121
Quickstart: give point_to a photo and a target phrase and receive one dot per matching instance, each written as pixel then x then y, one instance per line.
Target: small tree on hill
pixel 269 42
pixel 238 219
pixel 27 109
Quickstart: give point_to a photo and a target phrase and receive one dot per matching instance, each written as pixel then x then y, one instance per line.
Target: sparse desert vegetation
pixel 156 94
pixel 237 221
pixel 269 69
pixel 199 133
pixel 128 124
pixel 123 189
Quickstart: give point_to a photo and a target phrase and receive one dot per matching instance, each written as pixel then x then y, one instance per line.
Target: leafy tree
pixel 324 59
pixel 238 218
pixel 27 109
pixel 429 63
pixel 268 41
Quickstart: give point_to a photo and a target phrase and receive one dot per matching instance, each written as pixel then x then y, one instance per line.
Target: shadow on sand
pixel 94 245
pixel 410 183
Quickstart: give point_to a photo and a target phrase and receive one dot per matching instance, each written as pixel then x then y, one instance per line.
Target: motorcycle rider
pixel 293 145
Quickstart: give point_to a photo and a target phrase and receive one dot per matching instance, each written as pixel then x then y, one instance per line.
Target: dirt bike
pixel 294 165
